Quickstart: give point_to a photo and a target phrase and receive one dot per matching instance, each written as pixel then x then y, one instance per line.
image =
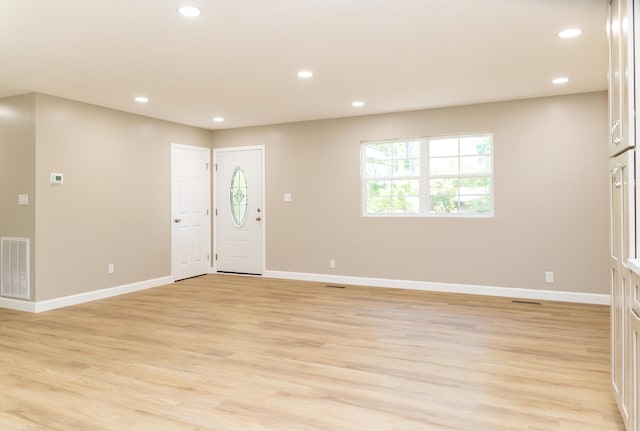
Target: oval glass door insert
pixel 238 197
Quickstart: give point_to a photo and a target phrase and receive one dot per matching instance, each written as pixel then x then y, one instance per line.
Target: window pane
pixel 443 147
pixel 406 168
pixel 406 205
pixel 475 145
pixel 444 186
pixel 475 186
pixel 443 166
pixel 443 204
pixel 396 205
pixel 475 204
pixel 406 150
pixel 378 151
pixel 378 188
pixel 378 168
pixel 405 188
pixel 377 205
pixel 475 165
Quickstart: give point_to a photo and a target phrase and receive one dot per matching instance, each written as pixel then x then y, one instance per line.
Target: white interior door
pixel 239 210
pixel 191 219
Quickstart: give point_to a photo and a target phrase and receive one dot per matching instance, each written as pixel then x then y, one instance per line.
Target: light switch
pixel 287 197
pixel 23 199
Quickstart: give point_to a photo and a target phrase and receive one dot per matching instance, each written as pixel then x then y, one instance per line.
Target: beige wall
pixel 550 198
pixel 114 205
pixel 17 170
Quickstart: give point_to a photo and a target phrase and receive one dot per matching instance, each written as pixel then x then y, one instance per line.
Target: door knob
pixel 258 218
pixel 177 220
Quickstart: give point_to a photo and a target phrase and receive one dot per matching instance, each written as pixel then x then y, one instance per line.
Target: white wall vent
pixel 14 267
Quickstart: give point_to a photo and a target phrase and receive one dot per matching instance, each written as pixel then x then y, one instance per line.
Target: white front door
pixel 190 218
pixel 239 210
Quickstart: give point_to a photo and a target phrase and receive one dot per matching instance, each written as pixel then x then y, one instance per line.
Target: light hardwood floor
pixel 241 354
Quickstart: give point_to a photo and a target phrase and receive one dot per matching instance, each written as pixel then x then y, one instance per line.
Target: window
pixel 449 176
pixel 392 172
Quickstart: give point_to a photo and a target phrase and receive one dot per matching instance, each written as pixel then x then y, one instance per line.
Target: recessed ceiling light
pixel 570 32
pixel 218 119
pixel 562 80
pixel 305 74
pixel 357 104
pixel 141 99
pixel 189 11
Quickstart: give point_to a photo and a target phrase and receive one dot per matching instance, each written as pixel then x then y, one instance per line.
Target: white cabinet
pixel 622 247
pixel 634 354
pixel 625 284
pixel 620 29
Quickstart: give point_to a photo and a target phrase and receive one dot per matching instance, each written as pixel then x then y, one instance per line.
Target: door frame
pixel 171 215
pixel 214 172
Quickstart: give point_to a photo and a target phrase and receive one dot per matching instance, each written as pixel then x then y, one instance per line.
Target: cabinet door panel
pixel 620 30
pixel 634 371
pixel 634 293
pixel 615 103
pixel 622 247
pixel 627 77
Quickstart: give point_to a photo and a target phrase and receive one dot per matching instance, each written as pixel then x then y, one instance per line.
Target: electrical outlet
pixel 548 277
pixel 332 263
pixel 112 268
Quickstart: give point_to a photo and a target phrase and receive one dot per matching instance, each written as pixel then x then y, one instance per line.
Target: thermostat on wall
pixel 55 178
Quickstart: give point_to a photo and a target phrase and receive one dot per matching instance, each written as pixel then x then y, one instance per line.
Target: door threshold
pixel 188 278
pixel 239 273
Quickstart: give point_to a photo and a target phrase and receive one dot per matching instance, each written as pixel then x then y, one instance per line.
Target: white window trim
pixel 423 179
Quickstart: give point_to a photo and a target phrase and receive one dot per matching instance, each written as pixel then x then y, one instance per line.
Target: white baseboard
pixel 509 292
pixel 18 305
pixel 65 301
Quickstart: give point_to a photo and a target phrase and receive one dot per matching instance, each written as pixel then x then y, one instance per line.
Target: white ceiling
pixel 239 59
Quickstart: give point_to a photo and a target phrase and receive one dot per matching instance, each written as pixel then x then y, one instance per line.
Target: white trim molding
pixel 469 289
pixel 80 298
pixel 18 305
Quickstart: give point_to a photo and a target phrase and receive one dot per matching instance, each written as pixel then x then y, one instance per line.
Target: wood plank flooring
pixel 230 353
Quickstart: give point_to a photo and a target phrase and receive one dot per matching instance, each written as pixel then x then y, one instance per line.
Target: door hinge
pixel 216 256
pixel 207 211
pixel 207 165
pixel 208 257
pixel 216 211
pixel 216 165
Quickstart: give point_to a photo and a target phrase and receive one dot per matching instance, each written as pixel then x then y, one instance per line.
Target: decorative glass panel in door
pixel 238 197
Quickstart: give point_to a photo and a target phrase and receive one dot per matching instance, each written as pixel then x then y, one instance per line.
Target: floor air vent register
pixel 14 267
